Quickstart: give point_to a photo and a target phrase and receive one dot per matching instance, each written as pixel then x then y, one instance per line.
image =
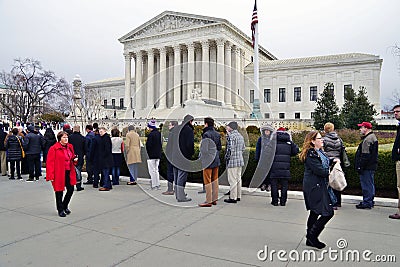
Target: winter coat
pixel 78 142
pixel 186 140
pixel 235 149
pixel 315 185
pixel 209 148
pixel 333 145
pixel 132 147
pixel 14 151
pixel 285 148
pixel 49 140
pixel 88 144
pixel 154 145
pixel 101 152
pixel 33 143
pixel 55 166
pixel 3 136
pixel 396 146
pixel 367 153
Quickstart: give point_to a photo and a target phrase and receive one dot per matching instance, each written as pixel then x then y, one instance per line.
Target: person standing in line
pixel 262 153
pixel 183 150
pixel 3 156
pixel 210 148
pixel 333 147
pixel 78 142
pixel 14 153
pixel 49 140
pixel 153 148
pixel 366 162
pixel 88 146
pixel 235 147
pixel 133 157
pixel 280 169
pixel 61 172
pixel 170 168
pixel 117 149
pixel 24 161
pixel 33 144
pixel 396 158
pixel 315 187
pixel 105 160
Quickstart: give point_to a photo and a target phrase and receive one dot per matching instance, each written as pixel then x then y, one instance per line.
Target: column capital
pixel 237 50
pixel 163 50
pixel 176 47
pixel 220 42
pixel 205 44
pixel 127 55
pixel 190 46
pixel 150 52
pixel 228 45
pixel 139 54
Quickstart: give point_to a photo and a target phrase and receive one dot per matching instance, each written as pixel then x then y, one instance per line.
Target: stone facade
pixel 180 63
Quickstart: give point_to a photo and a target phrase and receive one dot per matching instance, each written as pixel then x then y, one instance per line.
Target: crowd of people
pixel 64 156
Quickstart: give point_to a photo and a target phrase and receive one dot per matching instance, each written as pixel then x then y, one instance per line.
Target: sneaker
pixel 229 200
pixel 168 193
pixel 185 199
pixel 19 178
pixel 88 182
pixel 363 207
pixel 30 180
pixel 11 178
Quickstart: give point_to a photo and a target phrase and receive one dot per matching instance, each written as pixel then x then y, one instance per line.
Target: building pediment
pixel 167 22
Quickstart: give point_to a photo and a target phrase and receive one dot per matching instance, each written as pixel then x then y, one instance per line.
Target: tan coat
pixel 132 147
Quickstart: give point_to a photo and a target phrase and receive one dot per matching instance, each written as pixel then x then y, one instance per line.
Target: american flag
pixel 254 21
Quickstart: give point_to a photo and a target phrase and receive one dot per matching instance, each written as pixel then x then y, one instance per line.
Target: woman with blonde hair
pixel 315 187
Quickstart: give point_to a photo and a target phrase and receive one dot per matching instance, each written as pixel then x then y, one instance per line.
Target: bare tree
pixel 29 88
pixel 91 104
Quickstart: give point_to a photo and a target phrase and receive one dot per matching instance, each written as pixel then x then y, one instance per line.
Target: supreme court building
pixel 179 63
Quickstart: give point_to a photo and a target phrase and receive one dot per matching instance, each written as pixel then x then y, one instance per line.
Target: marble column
pixel 163 78
pixel 177 75
pixel 228 73
pixel 205 69
pixel 191 62
pixel 138 80
pixel 238 74
pixel 128 66
pixel 243 101
pixel 150 79
pixel 220 69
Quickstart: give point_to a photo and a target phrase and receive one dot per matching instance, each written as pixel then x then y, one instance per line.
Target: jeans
pixel 106 178
pixel 180 178
pixel 133 171
pixel 170 176
pixel 368 187
pixel 89 170
pixel 115 171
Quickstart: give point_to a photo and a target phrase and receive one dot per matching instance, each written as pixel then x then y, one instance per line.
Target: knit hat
pixel 188 118
pixel 233 125
pixel 152 124
pixel 267 127
pixel 66 127
pixel 31 128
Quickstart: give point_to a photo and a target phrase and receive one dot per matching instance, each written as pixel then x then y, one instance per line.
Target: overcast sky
pixel 81 36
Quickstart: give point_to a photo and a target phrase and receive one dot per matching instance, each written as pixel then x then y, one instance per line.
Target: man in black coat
pixel 183 150
pixel 153 148
pixel 102 158
pixel 33 144
pixel 396 158
pixel 78 142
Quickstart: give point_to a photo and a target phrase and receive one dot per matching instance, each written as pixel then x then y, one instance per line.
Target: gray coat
pixel 315 185
pixel 333 145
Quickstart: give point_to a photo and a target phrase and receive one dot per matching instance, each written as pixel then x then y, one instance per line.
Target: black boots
pixel 79 187
pixel 312 237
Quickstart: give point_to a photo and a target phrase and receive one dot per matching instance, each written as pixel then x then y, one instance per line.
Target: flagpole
pixel 256 103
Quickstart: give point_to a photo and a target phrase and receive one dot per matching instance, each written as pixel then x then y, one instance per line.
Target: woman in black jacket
pixel 14 153
pixel 50 139
pixel 315 187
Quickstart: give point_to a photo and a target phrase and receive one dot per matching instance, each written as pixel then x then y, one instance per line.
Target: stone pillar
pixel 127 96
pixel 150 79
pixel 184 76
pixel 138 79
pixel 163 78
pixel 242 93
pixel 205 69
pixel 190 81
pixel 238 74
pixel 228 74
pixel 177 75
pixel 220 69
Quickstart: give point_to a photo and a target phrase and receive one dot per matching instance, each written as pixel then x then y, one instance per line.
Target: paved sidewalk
pixel 134 226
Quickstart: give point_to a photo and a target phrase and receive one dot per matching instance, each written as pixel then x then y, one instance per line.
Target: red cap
pixel 366 124
pixel 281 129
pixel 66 127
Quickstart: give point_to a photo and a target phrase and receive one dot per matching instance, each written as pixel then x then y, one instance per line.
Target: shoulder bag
pixel 337 179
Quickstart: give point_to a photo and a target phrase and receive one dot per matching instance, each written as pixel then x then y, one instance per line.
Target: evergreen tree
pixel 358 110
pixel 327 110
pixel 348 107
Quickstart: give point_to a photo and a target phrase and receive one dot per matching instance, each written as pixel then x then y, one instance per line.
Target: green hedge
pixel 385 176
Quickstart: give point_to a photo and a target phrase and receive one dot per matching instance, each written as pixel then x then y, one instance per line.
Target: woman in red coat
pixel 60 171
